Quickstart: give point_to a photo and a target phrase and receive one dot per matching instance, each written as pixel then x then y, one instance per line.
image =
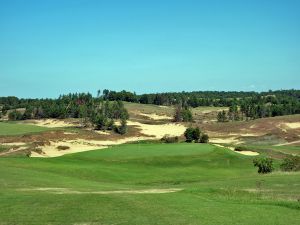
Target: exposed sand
pixel 80 145
pixel 50 123
pixel 245 134
pixel 14 144
pixel 248 153
pixel 70 191
pixel 230 140
pixel 294 125
pixel 154 116
pixel 74 147
pixel 159 131
pixel 102 132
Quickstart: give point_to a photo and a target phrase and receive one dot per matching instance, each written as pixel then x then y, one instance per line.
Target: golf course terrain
pixel 57 171
pixel 146 183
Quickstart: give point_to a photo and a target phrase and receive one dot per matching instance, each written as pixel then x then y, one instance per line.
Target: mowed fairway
pixel 9 128
pixel 206 185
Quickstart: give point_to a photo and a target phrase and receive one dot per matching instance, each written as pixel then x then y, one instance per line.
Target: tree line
pixel 93 111
pixel 242 105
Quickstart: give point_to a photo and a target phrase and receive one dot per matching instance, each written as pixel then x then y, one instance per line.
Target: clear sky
pixel 58 46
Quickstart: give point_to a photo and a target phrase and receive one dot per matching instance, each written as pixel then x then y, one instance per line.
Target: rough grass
pixel 11 128
pixel 219 187
pixel 3 148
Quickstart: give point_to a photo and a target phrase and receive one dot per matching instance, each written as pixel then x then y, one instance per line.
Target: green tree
pixel 196 134
pixel 15 115
pixel 28 113
pixel 265 165
pixel 189 134
pixel 100 122
pixel 291 163
pixel 221 117
pixel 122 129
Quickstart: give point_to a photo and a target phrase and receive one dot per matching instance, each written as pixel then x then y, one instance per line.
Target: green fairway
pixel 9 128
pixel 212 186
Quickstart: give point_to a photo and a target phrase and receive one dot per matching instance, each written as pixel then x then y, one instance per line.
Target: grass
pixel 3 148
pixel 218 187
pixel 282 151
pixel 11 128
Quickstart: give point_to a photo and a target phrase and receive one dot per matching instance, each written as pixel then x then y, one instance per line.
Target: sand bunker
pixel 154 116
pixel 80 145
pixel 74 146
pixel 70 191
pixel 248 153
pixel 294 125
pixel 231 140
pixel 51 123
pixel 159 131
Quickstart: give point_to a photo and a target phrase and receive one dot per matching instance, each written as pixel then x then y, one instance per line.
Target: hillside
pixel 146 184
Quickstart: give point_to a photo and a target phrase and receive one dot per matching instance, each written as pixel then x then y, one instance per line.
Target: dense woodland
pixel 242 105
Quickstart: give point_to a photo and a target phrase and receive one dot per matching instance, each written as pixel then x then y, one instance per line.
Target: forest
pixel 242 105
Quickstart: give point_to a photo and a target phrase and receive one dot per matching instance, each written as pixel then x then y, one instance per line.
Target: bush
pixel 61 147
pixel 195 134
pixel 182 114
pixel 100 122
pixel 240 149
pixel 291 163
pixel 27 114
pixel 189 134
pixel 265 165
pixel 15 115
pixel 187 115
pixel 204 138
pixel 170 139
pixel 123 128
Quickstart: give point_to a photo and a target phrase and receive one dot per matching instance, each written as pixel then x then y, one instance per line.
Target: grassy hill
pixel 11 128
pixel 211 185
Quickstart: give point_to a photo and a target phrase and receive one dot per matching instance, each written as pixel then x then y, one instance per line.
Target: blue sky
pixel 53 47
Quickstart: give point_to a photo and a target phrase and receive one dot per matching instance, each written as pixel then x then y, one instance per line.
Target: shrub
pixel 123 128
pixel 265 165
pixel 61 147
pixel 27 114
pixel 195 134
pixel 240 149
pixel 187 115
pixel 170 139
pixel 189 134
pixel 204 138
pixel 182 114
pixel 15 115
pixel 291 163
pixel 100 122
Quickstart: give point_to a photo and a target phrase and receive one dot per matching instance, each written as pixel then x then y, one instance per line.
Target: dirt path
pixel 70 191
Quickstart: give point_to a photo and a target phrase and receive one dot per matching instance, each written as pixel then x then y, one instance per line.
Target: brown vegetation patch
pixel 63 147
